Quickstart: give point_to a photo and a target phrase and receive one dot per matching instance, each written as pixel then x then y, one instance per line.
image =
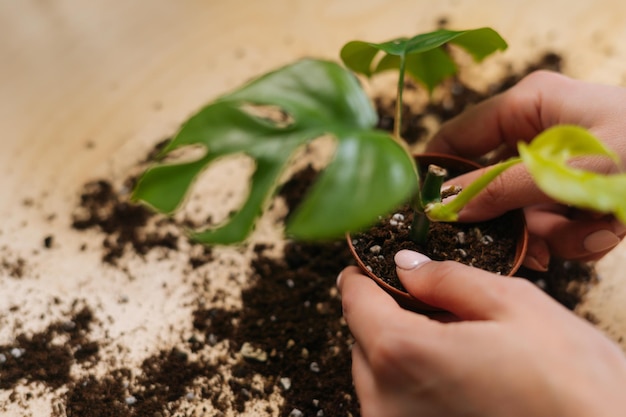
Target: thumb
pixel 512 189
pixel 468 293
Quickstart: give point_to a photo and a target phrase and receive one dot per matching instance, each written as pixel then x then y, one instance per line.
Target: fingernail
pixel 408 259
pixel 619 228
pixel 535 264
pixel 600 241
pixel 339 278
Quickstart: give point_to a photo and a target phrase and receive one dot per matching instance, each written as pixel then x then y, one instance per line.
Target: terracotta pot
pixel 460 165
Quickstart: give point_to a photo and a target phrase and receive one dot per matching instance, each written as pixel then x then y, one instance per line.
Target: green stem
pixel 430 193
pixel 421 223
pixel 431 190
pixel 398 121
pixel 419 227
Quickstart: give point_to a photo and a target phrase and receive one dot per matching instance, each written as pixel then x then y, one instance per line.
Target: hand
pixel 541 100
pixel 512 352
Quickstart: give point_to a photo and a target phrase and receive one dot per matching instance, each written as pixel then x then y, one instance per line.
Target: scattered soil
pixel 40 357
pixel 287 340
pixel 123 223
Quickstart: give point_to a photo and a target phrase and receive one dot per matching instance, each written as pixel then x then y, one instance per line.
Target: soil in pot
pixel 486 245
pixel 496 245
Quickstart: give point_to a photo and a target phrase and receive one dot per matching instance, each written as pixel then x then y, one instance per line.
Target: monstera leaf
pixel 369 175
pixel 423 56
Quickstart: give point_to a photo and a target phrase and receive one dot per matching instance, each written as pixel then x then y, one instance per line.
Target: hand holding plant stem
pixel 521 113
pixel 546 158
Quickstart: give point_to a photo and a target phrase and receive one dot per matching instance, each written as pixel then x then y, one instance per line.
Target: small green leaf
pixel 426 61
pixel 358 56
pixel 430 67
pixel 319 98
pixel 547 156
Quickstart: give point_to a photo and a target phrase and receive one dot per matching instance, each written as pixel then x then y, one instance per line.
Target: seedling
pixel 372 172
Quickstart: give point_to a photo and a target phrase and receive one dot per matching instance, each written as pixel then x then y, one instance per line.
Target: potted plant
pixel 372 172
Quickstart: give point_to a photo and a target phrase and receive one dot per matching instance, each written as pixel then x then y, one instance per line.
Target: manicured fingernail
pixel 619 228
pixel 535 264
pixel 408 259
pixel 600 241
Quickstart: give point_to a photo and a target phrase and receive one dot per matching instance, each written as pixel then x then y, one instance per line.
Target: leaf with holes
pixel 369 174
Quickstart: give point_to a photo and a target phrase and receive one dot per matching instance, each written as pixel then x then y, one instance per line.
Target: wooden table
pixel 87 87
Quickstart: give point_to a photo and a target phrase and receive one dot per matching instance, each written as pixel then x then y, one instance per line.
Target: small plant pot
pixel 515 222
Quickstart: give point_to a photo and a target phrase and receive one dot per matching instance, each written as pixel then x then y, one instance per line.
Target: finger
pixel 518 114
pixel 379 331
pixel 358 294
pixel 585 239
pixel 619 228
pixel 512 189
pixel 364 380
pixel 538 254
pixel 469 293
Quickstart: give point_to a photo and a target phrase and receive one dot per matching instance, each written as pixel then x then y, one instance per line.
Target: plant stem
pixel 431 190
pixel 421 223
pixel 419 227
pixel 430 193
pixel 397 128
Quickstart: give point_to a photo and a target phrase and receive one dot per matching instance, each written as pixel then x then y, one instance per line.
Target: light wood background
pixel 86 87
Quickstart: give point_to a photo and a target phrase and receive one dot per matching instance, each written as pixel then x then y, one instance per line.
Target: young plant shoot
pixel 371 172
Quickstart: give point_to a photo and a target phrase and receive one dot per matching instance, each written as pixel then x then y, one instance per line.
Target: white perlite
pixel 375 249
pixel 296 413
pixel 399 217
pixel 285 383
pixel 250 352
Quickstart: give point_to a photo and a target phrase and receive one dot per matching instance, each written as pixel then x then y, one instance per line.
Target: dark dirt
pixel 40 357
pixel 291 315
pixel 123 223
pixel 487 245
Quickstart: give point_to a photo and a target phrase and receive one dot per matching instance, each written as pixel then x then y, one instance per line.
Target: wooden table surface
pixel 86 87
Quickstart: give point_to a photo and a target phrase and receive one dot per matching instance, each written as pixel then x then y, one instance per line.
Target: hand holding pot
pixel 541 100
pixel 511 351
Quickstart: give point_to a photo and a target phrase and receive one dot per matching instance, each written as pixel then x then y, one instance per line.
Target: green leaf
pixel 369 175
pixel 426 60
pixel 547 156
pixel 430 67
